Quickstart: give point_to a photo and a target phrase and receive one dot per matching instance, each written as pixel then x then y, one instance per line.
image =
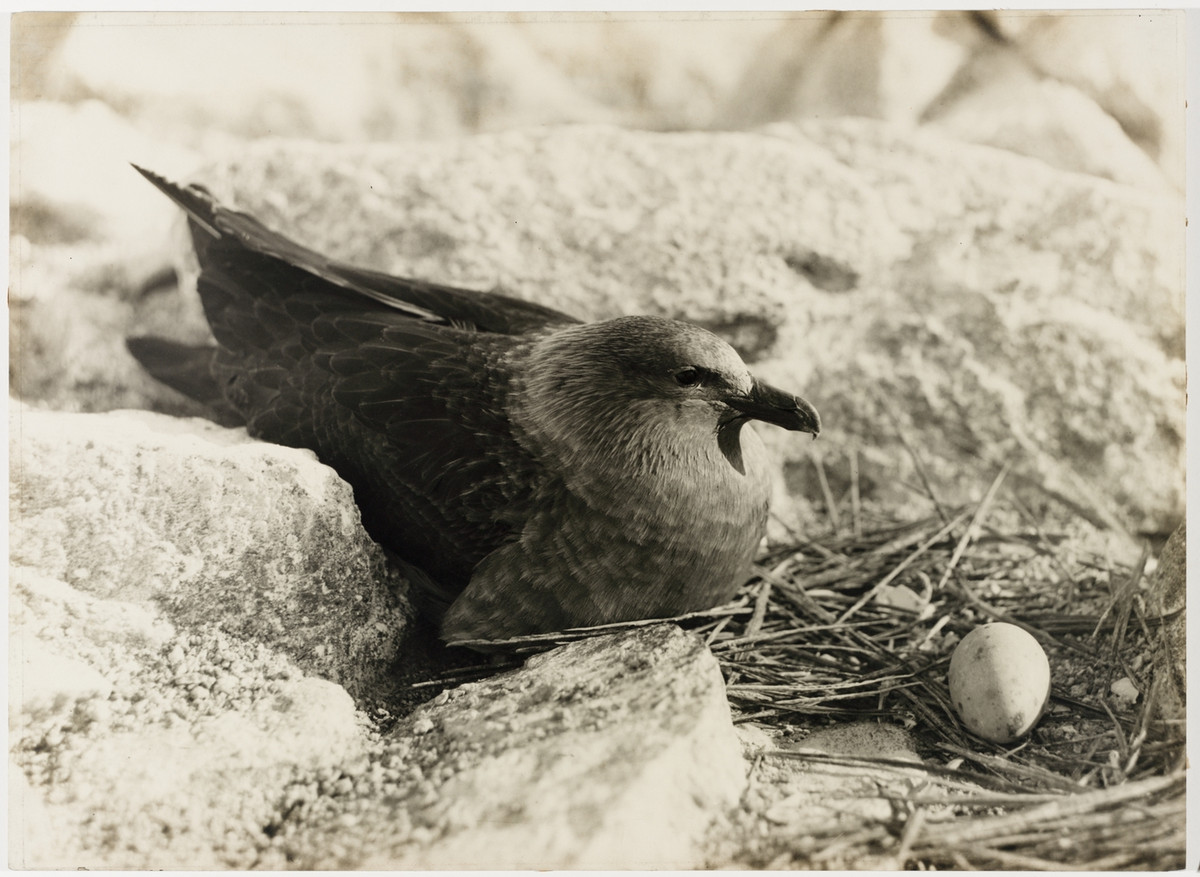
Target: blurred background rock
pixel 1098 92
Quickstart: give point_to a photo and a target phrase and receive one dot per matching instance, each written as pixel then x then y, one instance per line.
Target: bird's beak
pixel 773 405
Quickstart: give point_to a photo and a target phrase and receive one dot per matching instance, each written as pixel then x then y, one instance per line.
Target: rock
pixel 398 77
pixel 84 240
pixel 1006 336
pixel 35 37
pixel 366 77
pixel 996 99
pixel 615 752
pixel 213 528
pixel 170 749
pixel 805 798
pixel 1128 62
pixel 675 69
pixel 70 312
pixel 877 65
pixel 639 757
pixel 68 195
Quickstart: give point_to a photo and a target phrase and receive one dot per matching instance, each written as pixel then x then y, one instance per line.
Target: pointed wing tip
pixel 194 200
pixel 160 182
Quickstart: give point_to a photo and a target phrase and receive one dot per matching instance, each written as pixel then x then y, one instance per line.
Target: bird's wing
pixel 410 412
pixel 215 227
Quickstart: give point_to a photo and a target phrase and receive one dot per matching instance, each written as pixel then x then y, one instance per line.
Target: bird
pixel 532 472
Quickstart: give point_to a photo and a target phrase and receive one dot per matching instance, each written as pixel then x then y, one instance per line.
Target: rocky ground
pixel 960 236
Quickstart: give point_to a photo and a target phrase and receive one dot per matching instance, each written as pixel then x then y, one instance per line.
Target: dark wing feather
pixel 215 227
pixel 442 478
pixel 401 386
pixel 486 311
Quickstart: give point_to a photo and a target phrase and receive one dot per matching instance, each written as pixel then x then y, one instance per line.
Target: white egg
pixel 999 682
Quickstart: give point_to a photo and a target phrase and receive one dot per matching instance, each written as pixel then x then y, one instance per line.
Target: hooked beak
pixel 773 405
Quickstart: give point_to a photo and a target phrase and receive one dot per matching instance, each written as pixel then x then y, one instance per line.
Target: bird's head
pixel 658 373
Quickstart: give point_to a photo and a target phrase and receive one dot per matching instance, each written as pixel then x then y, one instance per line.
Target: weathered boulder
pixel 142 745
pixel 1128 62
pixel 389 76
pixel 1038 320
pixel 209 526
pixel 877 65
pixel 998 99
pixel 612 753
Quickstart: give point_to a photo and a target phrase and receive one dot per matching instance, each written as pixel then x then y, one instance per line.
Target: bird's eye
pixel 688 377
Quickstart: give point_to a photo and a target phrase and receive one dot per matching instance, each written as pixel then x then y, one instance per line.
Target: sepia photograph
pixel 690 440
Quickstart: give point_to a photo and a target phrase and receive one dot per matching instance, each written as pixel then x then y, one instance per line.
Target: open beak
pixel 773 405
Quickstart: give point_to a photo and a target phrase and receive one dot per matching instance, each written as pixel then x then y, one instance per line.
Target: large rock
pixel 878 65
pixel 1038 322
pixel 83 241
pixel 606 754
pixel 997 99
pixel 200 750
pixel 137 743
pixel 211 527
pixel 1130 63
pixel 388 76
pixel 392 77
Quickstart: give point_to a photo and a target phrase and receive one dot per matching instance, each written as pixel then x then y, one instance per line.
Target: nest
pixel 860 624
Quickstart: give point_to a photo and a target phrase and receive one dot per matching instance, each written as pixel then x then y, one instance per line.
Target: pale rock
pixel 41 681
pixel 86 233
pixel 767 88
pixel 208 525
pixel 33 837
pixel 52 621
pixel 880 65
pixel 653 70
pixel 1039 321
pixel 71 308
pixel 1130 62
pixel 334 76
pixel 156 747
pixel 35 37
pixel 63 192
pixel 755 739
pixel 998 100
pixel 614 752
pixel 637 757
pixel 157 776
